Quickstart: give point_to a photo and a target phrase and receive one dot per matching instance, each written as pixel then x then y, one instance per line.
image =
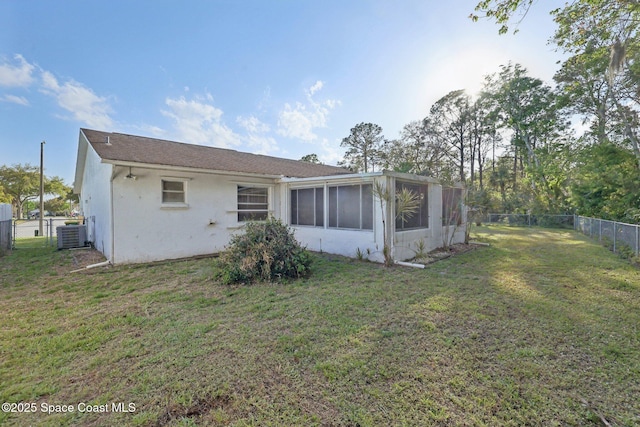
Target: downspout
pixel 111 219
pixel 88 267
pixel 409 264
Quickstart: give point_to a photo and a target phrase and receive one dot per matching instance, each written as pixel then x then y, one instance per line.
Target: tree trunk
pixel 628 130
pixel 462 159
pixel 634 140
pixel 515 168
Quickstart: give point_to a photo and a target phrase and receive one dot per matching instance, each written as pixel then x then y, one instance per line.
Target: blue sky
pixel 280 77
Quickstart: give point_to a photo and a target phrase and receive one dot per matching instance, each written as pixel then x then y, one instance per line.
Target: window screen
pixel 420 219
pixel 351 206
pixel 253 203
pixel 173 192
pixel 307 206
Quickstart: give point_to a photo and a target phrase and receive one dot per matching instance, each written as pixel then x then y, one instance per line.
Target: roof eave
pixel 336 177
pixel 83 145
pixel 186 169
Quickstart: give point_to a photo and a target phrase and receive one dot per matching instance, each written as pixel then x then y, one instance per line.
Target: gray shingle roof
pixel 139 149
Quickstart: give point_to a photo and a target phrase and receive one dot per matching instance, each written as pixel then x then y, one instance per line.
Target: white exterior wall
pixel 338 241
pixel 147 230
pixel 127 221
pixel 341 242
pixel 95 202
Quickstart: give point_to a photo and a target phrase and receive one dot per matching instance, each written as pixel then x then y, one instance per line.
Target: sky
pixel 279 77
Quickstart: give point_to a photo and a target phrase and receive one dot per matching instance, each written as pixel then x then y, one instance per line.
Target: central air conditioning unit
pixel 71 236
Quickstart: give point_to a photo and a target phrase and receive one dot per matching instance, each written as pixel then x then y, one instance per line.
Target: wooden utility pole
pixel 41 213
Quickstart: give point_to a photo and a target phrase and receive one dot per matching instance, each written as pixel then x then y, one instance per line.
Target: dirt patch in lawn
pixel 442 253
pixel 81 258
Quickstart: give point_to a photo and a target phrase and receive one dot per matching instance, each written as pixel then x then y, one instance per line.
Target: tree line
pixel 20 187
pixel 515 145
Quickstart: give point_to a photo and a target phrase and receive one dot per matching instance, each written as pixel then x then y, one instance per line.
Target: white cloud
pixel 262 144
pixel 253 124
pixel 16 75
pixel 147 129
pixel 332 153
pixel 86 107
pixel 197 121
pixel 257 135
pixel 82 102
pixel 316 87
pixel 264 103
pixel 20 100
pixel 49 81
pixel 299 122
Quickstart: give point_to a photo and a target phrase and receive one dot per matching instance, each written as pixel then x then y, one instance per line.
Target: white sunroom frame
pixel 349 242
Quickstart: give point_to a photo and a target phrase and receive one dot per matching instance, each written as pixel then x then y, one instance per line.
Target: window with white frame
pixel 253 203
pixel 174 192
pixel 351 206
pixel 420 218
pixel 307 206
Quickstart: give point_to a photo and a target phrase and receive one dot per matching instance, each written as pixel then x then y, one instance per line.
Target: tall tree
pixel 500 179
pixel 437 158
pixel 450 118
pixel 502 11
pixel 484 135
pixel 585 28
pixel 311 158
pixel 363 147
pixel 594 28
pixel 4 198
pixel 606 183
pixel 22 182
pixel 583 89
pixel 418 151
pixel 526 107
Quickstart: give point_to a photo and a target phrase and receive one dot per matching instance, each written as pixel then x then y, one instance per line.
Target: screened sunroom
pixel 344 214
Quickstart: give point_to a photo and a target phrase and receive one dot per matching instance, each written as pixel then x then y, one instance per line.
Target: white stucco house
pixel 146 199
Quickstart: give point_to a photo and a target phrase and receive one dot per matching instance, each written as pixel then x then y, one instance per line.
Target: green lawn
pixel 541 329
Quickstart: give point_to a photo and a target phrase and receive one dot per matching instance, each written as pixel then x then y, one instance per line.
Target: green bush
pixel 266 251
pixel 625 251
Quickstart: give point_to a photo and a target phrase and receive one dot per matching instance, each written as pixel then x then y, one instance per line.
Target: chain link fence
pixel 620 237
pixel 26 233
pixel 530 220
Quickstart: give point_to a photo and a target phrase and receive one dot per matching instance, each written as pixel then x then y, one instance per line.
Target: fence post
pixel 615 235
pixel 599 230
pixel 637 240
